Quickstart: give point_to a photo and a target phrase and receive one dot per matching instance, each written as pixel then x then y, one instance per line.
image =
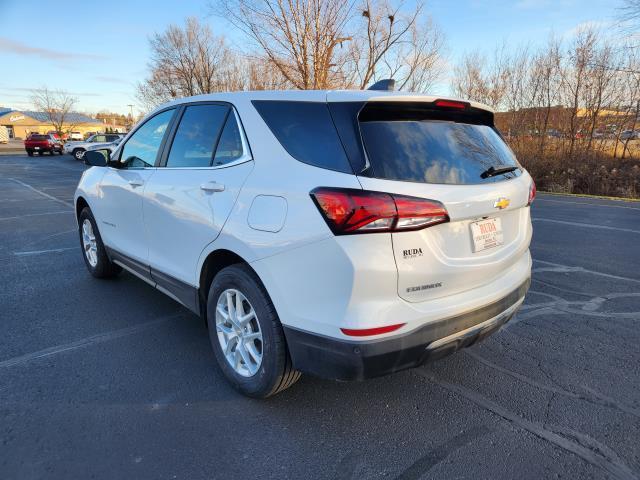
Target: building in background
pixel 20 123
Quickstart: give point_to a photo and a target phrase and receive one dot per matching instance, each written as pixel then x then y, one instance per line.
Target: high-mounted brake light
pixel 532 192
pixel 349 211
pixel 365 332
pixel 450 104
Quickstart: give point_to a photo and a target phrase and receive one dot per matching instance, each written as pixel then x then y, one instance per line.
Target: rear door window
pixel 427 150
pixel 197 135
pixel 306 131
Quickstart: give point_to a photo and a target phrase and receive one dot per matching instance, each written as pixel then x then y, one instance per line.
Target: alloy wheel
pixel 89 244
pixel 239 332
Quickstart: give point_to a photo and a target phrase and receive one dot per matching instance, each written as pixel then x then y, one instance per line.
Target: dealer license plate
pixel 486 234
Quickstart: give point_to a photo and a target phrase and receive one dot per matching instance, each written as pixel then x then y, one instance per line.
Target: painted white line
pixel 606 205
pixel 35 215
pixel 86 342
pixel 39 252
pixel 51 197
pixel 587 225
pixel 568 268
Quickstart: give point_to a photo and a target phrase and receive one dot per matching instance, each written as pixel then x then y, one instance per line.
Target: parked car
pixel 76 136
pixel 105 146
pixel 77 149
pixel 41 143
pixel 630 135
pixel 346 235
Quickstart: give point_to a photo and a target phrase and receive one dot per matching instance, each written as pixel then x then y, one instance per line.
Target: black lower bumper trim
pixel 347 360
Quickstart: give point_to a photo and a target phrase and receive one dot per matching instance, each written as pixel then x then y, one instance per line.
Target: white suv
pixel 345 234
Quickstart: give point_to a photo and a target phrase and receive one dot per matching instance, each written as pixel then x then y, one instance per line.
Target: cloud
pixel 18 48
pixel 529 4
pixel 597 25
pixel 107 79
pixel 31 90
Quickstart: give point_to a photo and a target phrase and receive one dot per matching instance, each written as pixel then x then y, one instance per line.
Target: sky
pixel 99 51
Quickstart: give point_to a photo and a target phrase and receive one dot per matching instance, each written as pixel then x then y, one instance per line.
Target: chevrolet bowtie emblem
pixel 502 203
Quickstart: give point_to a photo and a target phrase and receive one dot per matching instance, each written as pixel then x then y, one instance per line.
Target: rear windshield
pixel 435 151
pixel 39 137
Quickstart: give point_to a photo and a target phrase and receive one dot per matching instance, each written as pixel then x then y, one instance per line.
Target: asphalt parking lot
pixel 112 379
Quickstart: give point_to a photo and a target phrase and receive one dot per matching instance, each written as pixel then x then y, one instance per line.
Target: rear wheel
pixel 94 253
pixel 30 153
pixel 246 334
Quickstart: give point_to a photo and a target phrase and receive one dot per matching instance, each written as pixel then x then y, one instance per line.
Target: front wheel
pixel 78 153
pixel 94 254
pixel 246 334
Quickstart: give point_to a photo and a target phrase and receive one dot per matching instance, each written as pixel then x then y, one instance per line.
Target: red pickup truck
pixel 40 143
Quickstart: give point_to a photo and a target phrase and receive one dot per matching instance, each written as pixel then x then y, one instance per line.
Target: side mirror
pixel 97 158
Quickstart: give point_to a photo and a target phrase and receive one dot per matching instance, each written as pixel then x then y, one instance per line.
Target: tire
pixel 103 267
pixel 30 153
pixel 78 153
pixel 275 372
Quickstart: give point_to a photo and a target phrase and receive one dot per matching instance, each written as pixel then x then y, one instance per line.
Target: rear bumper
pixel 348 360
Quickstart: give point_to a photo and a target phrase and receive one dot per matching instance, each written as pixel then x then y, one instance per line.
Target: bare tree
pixel 57 105
pixel 392 44
pixel 316 44
pixel 187 61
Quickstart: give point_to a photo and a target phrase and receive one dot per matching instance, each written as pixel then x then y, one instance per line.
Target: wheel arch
pixel 81 204
pixel 213 263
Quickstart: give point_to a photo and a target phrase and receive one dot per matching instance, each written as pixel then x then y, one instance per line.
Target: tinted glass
pixel 196 137
pixel 306 131
pixel 142 147
pixel 39 137
pixel 230 143
pixel 435 151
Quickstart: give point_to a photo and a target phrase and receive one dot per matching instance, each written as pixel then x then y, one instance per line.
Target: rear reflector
pixel 451 104
pixel 532 192
pixel 365 332
pixel 350 211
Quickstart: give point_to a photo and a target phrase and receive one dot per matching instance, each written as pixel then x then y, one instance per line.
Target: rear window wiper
pixel 498 170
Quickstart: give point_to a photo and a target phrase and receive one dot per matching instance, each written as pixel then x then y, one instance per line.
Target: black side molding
pixel 184 293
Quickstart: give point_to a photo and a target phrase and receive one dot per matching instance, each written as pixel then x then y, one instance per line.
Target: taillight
pixel 532 192
pixel 349 211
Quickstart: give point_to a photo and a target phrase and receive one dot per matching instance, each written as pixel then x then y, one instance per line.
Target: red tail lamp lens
pixel 349 211
pixel 532 192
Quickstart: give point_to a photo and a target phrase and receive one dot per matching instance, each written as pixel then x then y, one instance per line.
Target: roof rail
pixel 388 84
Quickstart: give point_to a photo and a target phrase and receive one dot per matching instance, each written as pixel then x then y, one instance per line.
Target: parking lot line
pixel 51 197
pixel 588 225
pixel 34 215
pixel 587 204
pixel 87 342
pixel 568 268
pixel 587 448
pixel 39 252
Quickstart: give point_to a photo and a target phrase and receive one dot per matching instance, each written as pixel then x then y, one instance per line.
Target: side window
pixel 230 143
pixel 142 147
pixel 306 131
pixel 99 138
pixel 196 137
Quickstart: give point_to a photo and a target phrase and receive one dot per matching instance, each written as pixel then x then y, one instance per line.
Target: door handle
pixel 212 187
pixel 136 183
